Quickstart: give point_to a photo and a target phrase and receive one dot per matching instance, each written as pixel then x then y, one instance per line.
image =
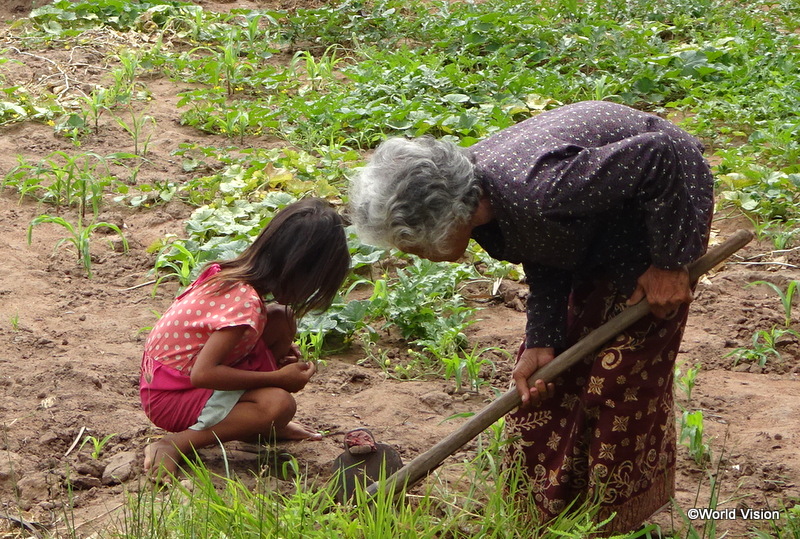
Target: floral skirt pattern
pixel 609 432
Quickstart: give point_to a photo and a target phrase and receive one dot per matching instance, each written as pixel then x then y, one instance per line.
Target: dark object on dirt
pixel 363 461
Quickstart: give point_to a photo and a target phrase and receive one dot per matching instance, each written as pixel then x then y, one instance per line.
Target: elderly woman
pixel 602 205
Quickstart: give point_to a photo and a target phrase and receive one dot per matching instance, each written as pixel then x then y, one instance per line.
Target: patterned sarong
pixel 609 432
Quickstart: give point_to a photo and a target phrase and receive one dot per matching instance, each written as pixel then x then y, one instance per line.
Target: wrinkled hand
pixel 294 376
pixel 529 361
pixel 665 290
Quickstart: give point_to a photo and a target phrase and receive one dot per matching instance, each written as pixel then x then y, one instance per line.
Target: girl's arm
pixel 209 372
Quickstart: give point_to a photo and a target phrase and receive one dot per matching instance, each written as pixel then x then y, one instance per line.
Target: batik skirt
pixel 608 434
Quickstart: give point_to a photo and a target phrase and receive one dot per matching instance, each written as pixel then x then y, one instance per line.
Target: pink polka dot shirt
pixel 181 333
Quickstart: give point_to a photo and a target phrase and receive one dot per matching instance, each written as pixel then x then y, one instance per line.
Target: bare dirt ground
pixel 70 349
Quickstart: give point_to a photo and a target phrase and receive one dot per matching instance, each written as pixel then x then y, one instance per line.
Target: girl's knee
pixel 285 403
pixel 275 402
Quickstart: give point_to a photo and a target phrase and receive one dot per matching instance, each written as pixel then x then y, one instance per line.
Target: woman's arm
pixel 209 372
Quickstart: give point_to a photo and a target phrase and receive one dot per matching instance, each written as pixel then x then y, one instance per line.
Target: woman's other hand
pixel 665 290
pixel 529 360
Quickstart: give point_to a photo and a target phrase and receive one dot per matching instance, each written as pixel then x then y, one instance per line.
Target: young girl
pixel 220 365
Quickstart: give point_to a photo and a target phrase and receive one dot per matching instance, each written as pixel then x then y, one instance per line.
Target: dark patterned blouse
pixel 592 189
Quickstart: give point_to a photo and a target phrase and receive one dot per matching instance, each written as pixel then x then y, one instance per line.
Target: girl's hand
pixel 529 360
pixel 665 290
pixel 293 356
pixel 294 376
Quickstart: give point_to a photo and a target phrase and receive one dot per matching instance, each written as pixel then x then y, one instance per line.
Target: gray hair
pixel 412 192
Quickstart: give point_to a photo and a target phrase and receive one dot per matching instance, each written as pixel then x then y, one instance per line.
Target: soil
pixel 70 346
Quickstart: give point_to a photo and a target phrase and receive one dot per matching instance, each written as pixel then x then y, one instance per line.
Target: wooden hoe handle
pixel 423 464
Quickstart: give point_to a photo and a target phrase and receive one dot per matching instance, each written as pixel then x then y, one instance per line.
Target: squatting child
pixel 221 364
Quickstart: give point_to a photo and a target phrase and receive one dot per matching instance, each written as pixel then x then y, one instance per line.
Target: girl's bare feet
pixel 296 431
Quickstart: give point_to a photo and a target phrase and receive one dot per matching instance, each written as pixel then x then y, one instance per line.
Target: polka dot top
pixel 204 308
pixel 591 189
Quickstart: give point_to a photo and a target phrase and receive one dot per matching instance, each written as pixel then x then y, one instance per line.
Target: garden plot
pixel 72 428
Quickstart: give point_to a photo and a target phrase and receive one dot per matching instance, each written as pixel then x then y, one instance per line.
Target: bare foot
pixel 296 431
pixel 161 460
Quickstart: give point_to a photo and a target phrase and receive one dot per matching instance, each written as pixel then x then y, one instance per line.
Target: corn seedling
pixel 62 179
pixel 764 345
pixel 96 102
pixel 124 85
pixel 691 435
pixel 236 123
pixel 318 72
pixel 233 68
pixel 135 129
pixel 786 298
pixel 467 365
pixel 14 321
pixel 98 444
pixel 252 32
pixel 79 236
pixel 686 382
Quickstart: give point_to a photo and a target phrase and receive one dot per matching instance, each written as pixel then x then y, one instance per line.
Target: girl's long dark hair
pixel 301 257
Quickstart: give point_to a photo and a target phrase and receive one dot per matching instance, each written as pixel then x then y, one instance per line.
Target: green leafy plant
pixel 686 382
pixel 14 319
pixel 468 364
pixel 786 297
pixel 423 300
pixel 135 129
pixel 764 345
pixel 62 179
pixel 146 194
pixel 79 235
pixel 769 194
pixel 174 260
pixel 18 105
pixel 311 344
pixel 691 435
pixel 98 444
